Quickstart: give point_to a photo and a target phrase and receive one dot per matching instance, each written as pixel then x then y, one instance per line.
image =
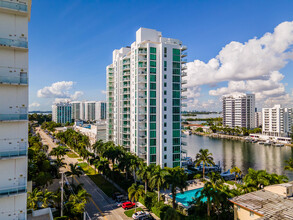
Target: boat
pixel 212 168
pixel 279 145
pixel 187 161
pixel 267 143
pixel 228 175
pixel 261 142
pixel 187 132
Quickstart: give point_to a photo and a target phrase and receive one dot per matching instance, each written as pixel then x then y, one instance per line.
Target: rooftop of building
pixel 266 203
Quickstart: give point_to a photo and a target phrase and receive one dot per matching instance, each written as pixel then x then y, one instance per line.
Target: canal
pixel 241 154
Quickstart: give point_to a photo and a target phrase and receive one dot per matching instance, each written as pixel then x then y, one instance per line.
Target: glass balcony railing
pixel 13 153
pixel 13 43
pixel 12 190
pixel 13 117
pixel 13 6
pixel 14 80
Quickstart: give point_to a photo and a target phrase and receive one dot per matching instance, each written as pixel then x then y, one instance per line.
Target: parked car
pixel 115 194
pixel 128 205
pixel 149 217
pixel 140 215
pixel 119 204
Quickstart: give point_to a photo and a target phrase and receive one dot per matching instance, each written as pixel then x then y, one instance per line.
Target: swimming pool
pixel 186 197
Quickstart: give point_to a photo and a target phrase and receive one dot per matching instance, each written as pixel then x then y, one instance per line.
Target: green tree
pixel 33 199
pixel 58 151
pixel 204 158
pixel 47 198
pixel 289 165
pixel 237 172
pixel 175 178
pixel 75 170
pixel 158 179
pixel 171 214
pixel 134 192
pixel 103 166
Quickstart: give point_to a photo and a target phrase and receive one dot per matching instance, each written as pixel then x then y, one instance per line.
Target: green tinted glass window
pixel 176 133
pixel 152 70
pixel 152 110
pixel 152 85
pixel 153 94
pixel 152 101
pixel 176 102
pixel 176 58
pixel 176 125
pixel 176 117
pixel 153 57
pixel 176 94
pixel 176 157
pixel 153 158
pixel 176 71
pixel 176 51
pixel 153 63
pixel 152 126
pixel 176 149
pixel 176 110
pixel 152 117
pixel 154 50
pixel 153 150
pixel 176 86
pixel 153 78
pixel 176 164
pixel 153 142
pixel 176 78
pixel 176 65
pixel 152 134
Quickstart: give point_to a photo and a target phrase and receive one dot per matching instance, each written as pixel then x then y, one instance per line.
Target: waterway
pixel 241 154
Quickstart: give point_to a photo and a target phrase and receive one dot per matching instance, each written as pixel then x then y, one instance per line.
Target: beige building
pixel 94 132
pixel 272 202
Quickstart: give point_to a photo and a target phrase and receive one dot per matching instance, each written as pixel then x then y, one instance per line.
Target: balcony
pixel 14 44
pixel 184 82
pixel 183 60
pixel 142 51
pixel 183 48
pixel 183 54
pixel 184 67
pixel 183 74
pixel 14 80
pixel 183 105
pixel 7 154
pixel 183 97
pixel 184 90
pixel 13 7
pixel 13 117
pixel 142 72
pixel 184 143
pixel 10 191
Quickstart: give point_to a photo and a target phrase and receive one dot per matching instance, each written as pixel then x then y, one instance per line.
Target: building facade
pixel 144 88
pixel 239 110
pixel 89 110
pixel 277 121
pixel 258 119
pixel 14 18
pixel 62 112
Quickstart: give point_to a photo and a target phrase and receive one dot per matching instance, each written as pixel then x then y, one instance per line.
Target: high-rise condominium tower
pixel 14 17
pixel 239 110
pixel 144 97
pixel 89 110
pixel 277 121
pixel 62 112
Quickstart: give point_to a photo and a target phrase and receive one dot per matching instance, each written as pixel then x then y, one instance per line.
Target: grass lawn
pixel 103 184
pixel 72 155
pixel 79 159
pixel 130 212
pixel 87 169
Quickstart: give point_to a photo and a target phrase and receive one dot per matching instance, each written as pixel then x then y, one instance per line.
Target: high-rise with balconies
pixel 62 112
pixel 14 17
pixel 239 110
pixel 144 88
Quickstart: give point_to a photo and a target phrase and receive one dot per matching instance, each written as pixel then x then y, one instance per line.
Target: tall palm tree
pixel 99 147
pixel 289 165
pixel 134 164
pixel 47 198
pixel 33 199
pixel 237 172
pixel 158 179
pixel 144 173
pixel 134 192
pixel 75 170
pixel 58 151
pixel 171 214
pixel 175 178
pixel 94 161
pixel 204 158
pixel 78 201
pixel 124 164
pixel 103 165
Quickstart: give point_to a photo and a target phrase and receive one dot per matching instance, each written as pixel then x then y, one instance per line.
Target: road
pixel 100 205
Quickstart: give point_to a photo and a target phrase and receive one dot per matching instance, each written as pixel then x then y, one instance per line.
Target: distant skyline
pixel 71 43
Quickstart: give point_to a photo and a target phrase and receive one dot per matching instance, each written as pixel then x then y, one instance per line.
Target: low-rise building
pixel 273 202
pixel 95 131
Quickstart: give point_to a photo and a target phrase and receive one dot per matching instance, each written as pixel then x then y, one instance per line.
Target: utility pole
pixel 62 194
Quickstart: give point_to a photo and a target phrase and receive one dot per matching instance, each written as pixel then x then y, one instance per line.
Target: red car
pixel 128 205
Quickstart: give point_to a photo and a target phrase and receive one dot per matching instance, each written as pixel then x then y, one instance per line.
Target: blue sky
pixel 73 40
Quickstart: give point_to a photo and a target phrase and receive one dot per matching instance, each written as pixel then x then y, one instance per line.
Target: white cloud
pixel 59 91
pixel 250 67
pixel 104 92
pixel 34 105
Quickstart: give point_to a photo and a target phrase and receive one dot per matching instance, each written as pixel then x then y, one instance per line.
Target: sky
pixel 233 47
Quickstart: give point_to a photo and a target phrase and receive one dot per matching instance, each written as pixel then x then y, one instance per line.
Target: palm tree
pixel 33 199
pixel 75 170
pixel 134 164
pixel 134 192
pixel 205 158
pixel 47 198
pixel 77 202
pixel 94 161
pixel 289 165
pixel 144 172
pixel 99 147
pixel 103 165
pixel 176 178
pixel 171 214
pixel 237 172
pixel 158 179
pixel 58 151
pixel 124 164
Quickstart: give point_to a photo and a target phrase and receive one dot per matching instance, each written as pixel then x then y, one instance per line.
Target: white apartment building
pixel 144 97
pixel 89 110
pixel 258 119
pixel 277 121
pixel 14 18
pixel 62 112
pixel 238 110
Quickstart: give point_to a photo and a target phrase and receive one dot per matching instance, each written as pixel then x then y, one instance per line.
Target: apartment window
pixel 165 164
pixel 165 84
pixel 165 65
pixel 165 124
pixel 165 92
pixel 165 100
pixel 165 148
pixel 153 57
pixel 165 157
pixel 165 132
pixel 153 63
pixel 152 70
pixel 165 108
pixel 165 51
pixel 165 76
pixel 165 140
pixel 153 50
pixel 165 116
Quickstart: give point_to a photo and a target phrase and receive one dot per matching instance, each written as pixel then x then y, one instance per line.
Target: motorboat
pixel 187 132
pixel 228 175
pixel 279 145
pixel 267 143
